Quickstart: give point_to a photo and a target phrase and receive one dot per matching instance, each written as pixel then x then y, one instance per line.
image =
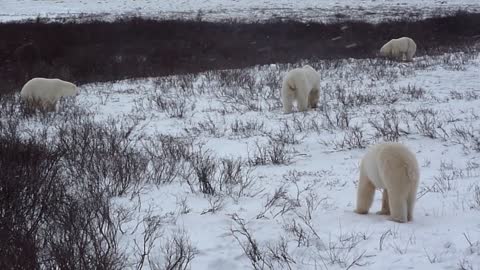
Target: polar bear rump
pixel 303 86
pixel 403 48
pixel 393 168
pixel 45 93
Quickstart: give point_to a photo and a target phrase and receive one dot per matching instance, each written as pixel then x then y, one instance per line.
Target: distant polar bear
pixel 403 48
pixel 393 168
pixel 303 85
pixel 46 92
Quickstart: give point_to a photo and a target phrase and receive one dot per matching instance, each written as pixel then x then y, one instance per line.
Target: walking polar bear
pixel 46 92
pixel 393 168
pixel 403 48
pixel 301 85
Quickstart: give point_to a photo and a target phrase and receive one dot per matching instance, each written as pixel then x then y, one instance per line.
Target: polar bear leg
pixel 287 99
pixel 313 98
pixel 410 204
pixel 385 207
pixel 410 56
pixel 398 207
pixel 49 106
pixel 366 191
pixel 302 100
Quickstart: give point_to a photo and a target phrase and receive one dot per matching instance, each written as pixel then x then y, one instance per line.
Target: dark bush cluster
pixel 90 51
pixel 58 181
pixel 48 221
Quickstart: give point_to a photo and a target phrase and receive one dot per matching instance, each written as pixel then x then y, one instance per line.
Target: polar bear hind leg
pixel 302 101
pixel 313 98
pixel 385 206
pixel 398 207
pixel 410 205
pixel 366 192
pixel 397 190
pixel 302 93
pixel 287 98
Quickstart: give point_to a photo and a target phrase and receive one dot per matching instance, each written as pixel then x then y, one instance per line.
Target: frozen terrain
pixel 290 205
pixel 319 10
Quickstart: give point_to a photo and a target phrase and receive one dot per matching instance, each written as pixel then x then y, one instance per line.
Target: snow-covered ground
pixel 318 10
pixel 301 209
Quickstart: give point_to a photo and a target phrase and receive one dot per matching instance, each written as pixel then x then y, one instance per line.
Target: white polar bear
pixel 401 48
pixel 46 92
pixel 303 85
pixel 393 168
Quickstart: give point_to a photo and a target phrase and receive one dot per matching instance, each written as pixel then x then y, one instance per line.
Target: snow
pixel 319 10
pixel 445 232
pixel 319 181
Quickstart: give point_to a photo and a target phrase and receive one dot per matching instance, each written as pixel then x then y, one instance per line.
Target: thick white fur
pixel 47 92
pixel 303 85
pixel 403 48
pixel 393 168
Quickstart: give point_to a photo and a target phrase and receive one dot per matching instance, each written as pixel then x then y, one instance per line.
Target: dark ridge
pixel 92 51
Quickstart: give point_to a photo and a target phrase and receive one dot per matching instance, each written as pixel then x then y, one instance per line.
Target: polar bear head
pixel 69 89
pixel 308 67
pixel 386 49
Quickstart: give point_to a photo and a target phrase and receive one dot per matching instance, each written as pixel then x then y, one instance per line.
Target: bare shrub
pixel 178 253
pixel 340 118
pixel 278 204
pixel 30 187
pixel 104 156
pixel 233 178
pixel 387 126
pixel 412 92
pixel 468 95
pixel 49 220
pixel 83 235
pixel 208 126
pixel 286 135
pixel 341 250
pixel 269 256
pixel 218 177
pixel 167 157
pixel 447 180
pixel 353 99
pixel 299 233
pixel 467 136
pixel 274 152
pixel 353 138
pixel 248 244
pixel 215 204
pixel 152 231
pixel 174 107
pixel 476 198
pixel 426 123
pixel 204 167
pixel 247 128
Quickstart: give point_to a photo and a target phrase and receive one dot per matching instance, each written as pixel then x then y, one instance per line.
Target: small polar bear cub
pixel 47 92
pixel 403 48
pixel 301 85
pixel 393 168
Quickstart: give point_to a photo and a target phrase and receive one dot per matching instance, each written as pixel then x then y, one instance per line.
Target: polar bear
pixel 393 168
pixel 401 48
pixel 46 92
pixel 303 85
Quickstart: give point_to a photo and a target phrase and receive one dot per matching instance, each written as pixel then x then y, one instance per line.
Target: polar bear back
pixel 389 156
pixel 396 47
pixel 312 76
pixel 47 89
pixel 304 77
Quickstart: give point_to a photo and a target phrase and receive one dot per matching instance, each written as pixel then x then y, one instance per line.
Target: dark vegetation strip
pixel 127 48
